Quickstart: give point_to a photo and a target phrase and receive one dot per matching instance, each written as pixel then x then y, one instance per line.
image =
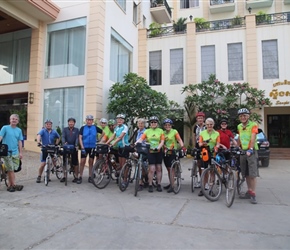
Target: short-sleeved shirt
pixel 48 137
pixel 70 136
pixel 11 136
pixel 118 131
pixel 153 136
pixel 245 134
pixel 89 135
pixel 171 138
pixel 225 137
pixel 140 133
pixel 197 130
pixel 214 138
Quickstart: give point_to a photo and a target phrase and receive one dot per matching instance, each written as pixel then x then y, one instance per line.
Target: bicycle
pixel 53 162
pixel 67 151
pixel 218 172
pixel 3 172
pixel 194 169
pixel 175 169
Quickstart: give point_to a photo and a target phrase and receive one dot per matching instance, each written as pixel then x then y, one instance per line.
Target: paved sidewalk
pixel 83 217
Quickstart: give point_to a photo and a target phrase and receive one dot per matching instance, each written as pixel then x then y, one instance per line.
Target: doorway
pixel 279 131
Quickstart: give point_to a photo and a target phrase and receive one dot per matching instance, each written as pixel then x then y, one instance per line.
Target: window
pixel 15 56
pixel 155 68
pixel 207 61
pixel 122 4
pixel 62 103
pixel 135 13
pixel 120 58
pixel 270 59
pixel 235 62
pixel 185 4
pixel 176 66
pixel 66 48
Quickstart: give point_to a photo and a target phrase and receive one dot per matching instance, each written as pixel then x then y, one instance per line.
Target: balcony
pixel 275 18
pixel 221 6
pixel 286 2
pixel 160 11
pixel 258 4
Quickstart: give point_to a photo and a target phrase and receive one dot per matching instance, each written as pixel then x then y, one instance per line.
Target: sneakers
pixel 80 180
pixel 38 179
pixel 11 189
pixel 245 195
pixel 159 188
pixel 167 187
pixel 200 193
pixel 253 199
pixel 90 180
pixel 62 179
pixel 140 188
pixel 170 190
pixel 75 180
pixel 150 189
pixel 249 195
pixel 197 185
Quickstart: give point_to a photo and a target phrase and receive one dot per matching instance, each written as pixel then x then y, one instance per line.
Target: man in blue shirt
pixel 47 136
pixel 88 139
pixel 12 136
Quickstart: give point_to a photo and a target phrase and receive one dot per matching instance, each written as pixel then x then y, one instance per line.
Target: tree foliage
pixel 219 100
pixel 136 99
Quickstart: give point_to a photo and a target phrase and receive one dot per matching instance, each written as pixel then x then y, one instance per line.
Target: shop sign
pixel 277 95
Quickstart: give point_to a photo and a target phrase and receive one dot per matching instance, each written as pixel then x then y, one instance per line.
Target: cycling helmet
pixel 200 114
pixel 71 119
pixel 89 117
pixel 223 120
pixel 48 121
pixel 243 111
pixel 122 116
pixel 104 120
pixel 220 159
pixel 153 118
pixel 168 121
pixel 111 122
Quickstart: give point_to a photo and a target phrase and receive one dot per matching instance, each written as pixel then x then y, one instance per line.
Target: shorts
pixel 74 158
pixel 155 158
pixel 123 153
pixel 168 160
pixel 90 152
pixel 249 165
pixel 11 162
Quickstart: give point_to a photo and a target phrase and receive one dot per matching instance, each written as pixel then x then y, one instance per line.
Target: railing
pixel 217 2
pixel 273 18
pixel 157 3
pixel 236 22
pixel 163 31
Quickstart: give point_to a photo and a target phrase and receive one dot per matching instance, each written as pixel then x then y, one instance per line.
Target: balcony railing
pixel 217 2
pixel 163 31
pixel 273 18
pixel 158 3
pixel 236 22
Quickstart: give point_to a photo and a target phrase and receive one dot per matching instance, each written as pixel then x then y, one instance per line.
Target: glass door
pixel 279 131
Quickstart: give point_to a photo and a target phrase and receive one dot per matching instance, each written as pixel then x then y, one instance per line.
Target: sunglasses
pixel 153 122
pixel 103 122
pixel 209 124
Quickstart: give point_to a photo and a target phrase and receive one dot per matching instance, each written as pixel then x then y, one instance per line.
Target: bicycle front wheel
pixel 3 174
pixel 138 176
pixel 241 184
pixel 65 171
pixel 101 174
pixel 46 174
pixel 175 176
pixel 194 177
pixel 211 184
pixel 230 188
pixel 125 176
pixel 59 172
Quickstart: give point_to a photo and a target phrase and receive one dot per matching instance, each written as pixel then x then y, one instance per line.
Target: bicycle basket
pixel 3 150
pixel 50 149
pixel 102 149
pixel 68 148
pixel 142 148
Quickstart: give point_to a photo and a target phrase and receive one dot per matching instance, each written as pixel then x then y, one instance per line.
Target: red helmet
pixel 200 114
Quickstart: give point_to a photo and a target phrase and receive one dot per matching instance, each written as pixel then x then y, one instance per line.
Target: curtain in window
pixel 176 66
pixel 235 62
pixel 22 57
pixel 207 62
pixel 62 103
pixel 155 68
pixel 185 4
pixel 270 59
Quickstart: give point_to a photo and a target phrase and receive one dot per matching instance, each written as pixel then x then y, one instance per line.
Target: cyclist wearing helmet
pixel 247 141
pixel 70 136
pixel 46 136
pixel 171 138
pixel 88 139
pixel 120 138
pixel 108 133
pixel 155 137
pixel 104 127
pixel 226 135
pixel 198 127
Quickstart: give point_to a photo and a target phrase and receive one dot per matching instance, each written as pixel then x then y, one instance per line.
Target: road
pixel 83 217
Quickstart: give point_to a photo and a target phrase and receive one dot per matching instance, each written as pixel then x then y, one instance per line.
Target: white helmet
pixel 104 120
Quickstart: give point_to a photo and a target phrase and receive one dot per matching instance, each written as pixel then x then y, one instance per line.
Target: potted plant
pixel 155 29
pixel 180 25
pixel 262 17
pixel 236 21
pixel 201 23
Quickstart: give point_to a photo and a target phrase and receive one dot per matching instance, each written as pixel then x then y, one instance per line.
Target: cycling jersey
pixel 171 138
pixel 70 136
pixel 197 129
pixel 89 135
pixel 118 131
pixel 153 137
pixel 48 137
pixel 225 137
pixel 245 134
pixel 214 138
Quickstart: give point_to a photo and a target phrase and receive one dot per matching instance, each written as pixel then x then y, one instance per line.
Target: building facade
pixel 58 59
